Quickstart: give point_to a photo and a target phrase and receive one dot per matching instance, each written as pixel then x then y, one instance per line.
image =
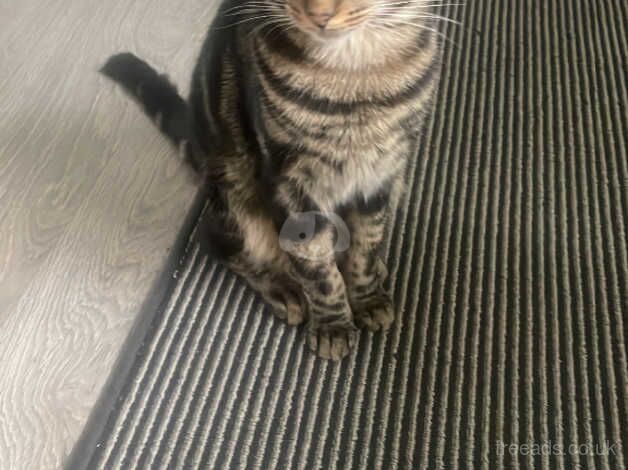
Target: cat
pixel 302 117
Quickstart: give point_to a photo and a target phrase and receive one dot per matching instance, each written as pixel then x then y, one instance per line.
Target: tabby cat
pixel 301 119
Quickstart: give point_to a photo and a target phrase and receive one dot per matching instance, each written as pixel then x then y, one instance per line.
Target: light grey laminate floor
pixel 91 201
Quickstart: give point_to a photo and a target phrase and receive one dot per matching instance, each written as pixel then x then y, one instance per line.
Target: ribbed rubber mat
pixel 510 269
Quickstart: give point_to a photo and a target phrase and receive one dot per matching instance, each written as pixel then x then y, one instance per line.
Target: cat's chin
pixel 326 35
pixel 355 50
pixel 334 34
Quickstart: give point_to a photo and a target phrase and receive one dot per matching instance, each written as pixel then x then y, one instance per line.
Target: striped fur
pixel 309 107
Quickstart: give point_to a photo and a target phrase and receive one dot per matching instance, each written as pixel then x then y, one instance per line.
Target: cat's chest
pixel 342 157
pixel 359 173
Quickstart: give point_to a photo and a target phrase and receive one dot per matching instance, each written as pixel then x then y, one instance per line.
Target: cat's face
pixel 350 34
pixel 329 19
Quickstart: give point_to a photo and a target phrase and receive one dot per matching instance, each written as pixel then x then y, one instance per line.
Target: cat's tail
pixel 159 98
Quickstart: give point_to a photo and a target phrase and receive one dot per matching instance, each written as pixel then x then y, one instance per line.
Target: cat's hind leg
pixel 247 245
pixel 280 292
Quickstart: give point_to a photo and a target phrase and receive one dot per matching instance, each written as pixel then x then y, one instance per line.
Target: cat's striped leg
pixel 308 239
pixel 362 268
pixel 331 330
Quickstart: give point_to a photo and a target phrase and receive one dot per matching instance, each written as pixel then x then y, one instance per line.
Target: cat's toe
pixel 287 305
pixel 376 314
pixel 333 344
pixel 295 314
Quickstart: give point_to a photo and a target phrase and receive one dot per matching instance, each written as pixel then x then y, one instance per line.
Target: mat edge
pixel 159 293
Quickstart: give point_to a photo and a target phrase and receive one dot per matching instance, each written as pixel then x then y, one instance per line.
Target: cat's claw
pixel 375 314
pixel 333 344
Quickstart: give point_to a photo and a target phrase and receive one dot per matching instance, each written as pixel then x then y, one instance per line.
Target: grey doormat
pixel 510 269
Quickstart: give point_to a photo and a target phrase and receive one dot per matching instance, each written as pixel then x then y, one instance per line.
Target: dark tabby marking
pixel 302 107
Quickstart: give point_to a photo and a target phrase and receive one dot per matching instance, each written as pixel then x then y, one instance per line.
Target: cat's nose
pixel 320 18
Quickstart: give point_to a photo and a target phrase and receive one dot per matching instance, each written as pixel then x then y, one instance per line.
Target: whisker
pixel 409 7
pixel 430 17
pixel 258 3
pixel 411 4
pixel 248 20
pixel 248 9
pixel 276 26
pixel 384 26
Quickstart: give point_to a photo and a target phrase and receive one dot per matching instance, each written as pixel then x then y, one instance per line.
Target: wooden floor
pixel 91 201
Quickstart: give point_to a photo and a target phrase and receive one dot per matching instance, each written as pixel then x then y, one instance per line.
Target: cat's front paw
pixel 332 343
pixel 375 313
